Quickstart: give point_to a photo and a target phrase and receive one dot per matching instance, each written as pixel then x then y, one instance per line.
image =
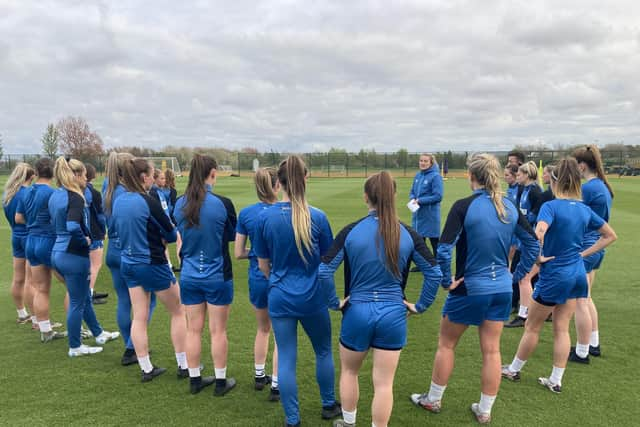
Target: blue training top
pixel 294 290
pixel 70 219
pixel 142 226
pixel 596 195
pixel 530 202
pixel 512 193
pixel 36 210
pixel 248 226
pixel 97 220
pixel 482 244
pixel 156 192
pixel 366 277
pixel 569 221
pixel 428 189
pixel 16 205
pixel 205 247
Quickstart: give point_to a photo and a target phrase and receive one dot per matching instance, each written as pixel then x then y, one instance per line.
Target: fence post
pixel 366 157
pixel 328 165
pixel 347 165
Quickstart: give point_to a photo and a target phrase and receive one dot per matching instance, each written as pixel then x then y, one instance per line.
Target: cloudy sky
pixel 310 75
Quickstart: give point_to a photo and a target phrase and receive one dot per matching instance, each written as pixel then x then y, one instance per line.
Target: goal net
pixel 165 163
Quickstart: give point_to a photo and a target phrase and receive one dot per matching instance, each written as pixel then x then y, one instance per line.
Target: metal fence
pixel 364 163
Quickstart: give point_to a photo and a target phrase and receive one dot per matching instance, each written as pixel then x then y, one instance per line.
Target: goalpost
pixel 164 163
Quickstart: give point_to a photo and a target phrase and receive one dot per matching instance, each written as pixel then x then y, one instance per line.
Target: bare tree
pixel 77 140
pixel 50 141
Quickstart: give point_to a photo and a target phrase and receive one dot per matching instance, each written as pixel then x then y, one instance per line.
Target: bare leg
pixel 385 363
pixel 538 313
pixel 218 317
pixel 195 324
pixel 171 299
pixel 450 334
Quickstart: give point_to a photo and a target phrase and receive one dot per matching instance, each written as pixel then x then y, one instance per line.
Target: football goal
pixel 165 163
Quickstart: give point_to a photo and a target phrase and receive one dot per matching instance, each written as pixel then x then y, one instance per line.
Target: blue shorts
pixel 113 256
pixel 152 277
pixel 193 292
pixel 39 250
pixel 259 292
pixel 556 285
pixel 18 245
pixel 592 262
pixel 96 244
pixel 381 325
pixel 475 309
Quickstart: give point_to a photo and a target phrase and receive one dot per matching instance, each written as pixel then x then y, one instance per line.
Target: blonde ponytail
pixel 21 174
pixel 291 174
pixel 65 172
pixel 486 170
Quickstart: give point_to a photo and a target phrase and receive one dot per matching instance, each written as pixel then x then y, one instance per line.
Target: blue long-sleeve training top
pixel 142 226
pixel 16 205
pixel 248 226
pixel 428 189
pixel 482 244
pixel 294 290
pixel 97 219
pixel 205 247
pixel 36 210
pixel 70 220
pixel 112 233
pixel 530 202
pixel 366 277
pixel 596 195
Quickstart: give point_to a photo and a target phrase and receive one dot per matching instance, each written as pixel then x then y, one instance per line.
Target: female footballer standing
pixel 562 226
pixel 267 188
pixel 207 221
pixel 377 251
pixel 597 194
pixel 15 190
pixel 427 191
pixel 292 237
pixel 143 228
pixel 481 228
pixel 70 253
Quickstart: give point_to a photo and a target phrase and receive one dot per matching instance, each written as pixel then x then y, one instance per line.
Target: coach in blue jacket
pixel 427 191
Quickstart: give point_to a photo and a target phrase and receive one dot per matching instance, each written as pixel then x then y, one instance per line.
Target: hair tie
pixel 553 175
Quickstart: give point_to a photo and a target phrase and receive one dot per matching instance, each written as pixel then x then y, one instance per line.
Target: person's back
pixel 37 211
pixel 569 222
pixel 248 223
pixel 204 252
pixel 10 209
pixel 597 196
pixel 69 220
pixel 483 241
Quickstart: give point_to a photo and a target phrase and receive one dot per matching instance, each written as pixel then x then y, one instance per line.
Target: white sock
pixel 194 372
pixel 517 364
pixel 22 312
pixel 349 417
pixel 259 370
pixel 181 358
pixel 523 311
pixel 594 341
pixel 373 425
pixel 34 320
pixel 436 391
pixel 221 374
pixel 91 291
pixel 45 326
pixel 582 350
pixel 145 364
pixel 556 375
pixel 274 381
pixel 486 403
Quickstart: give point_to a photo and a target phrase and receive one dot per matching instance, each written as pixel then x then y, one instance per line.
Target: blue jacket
pixel 482 244
pixel 36 211
pixel 248 221
pixel 366 277
pixel 428 189
pixel 205 247
pixel 596 195
pixel 16 205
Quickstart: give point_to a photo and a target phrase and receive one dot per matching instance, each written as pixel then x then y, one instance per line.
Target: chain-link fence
pixel 364 163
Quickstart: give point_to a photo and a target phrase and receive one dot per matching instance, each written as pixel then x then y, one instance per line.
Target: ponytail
pixel 485 169
pixel 380 190
pixel 590 155
pixel 291 174
pixel 195 193
pixel 114 176
pixel 265 180
pixel 22 173
pixel 65 172
pixel 566 178
pixel 170 179
pixel 131 171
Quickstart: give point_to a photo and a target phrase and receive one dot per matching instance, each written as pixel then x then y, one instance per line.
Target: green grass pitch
pixel 41 385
